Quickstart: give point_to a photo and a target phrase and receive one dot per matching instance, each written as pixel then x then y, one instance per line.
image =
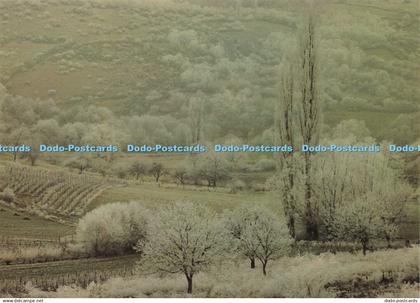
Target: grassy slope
pixel 114 60
pixel 21 225
pixel 152 196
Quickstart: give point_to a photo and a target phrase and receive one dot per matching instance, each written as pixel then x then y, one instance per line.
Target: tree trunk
pixel 312 232
pixel 365 245
pixel 190 284
pixel 252 263
pixel 291 223
pixel 388 241
pixel 291 226
pixel 264 268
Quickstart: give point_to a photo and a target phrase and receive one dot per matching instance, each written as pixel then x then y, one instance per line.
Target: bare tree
pixel 80 163
pixel 214 168
pixel 181 175
pixel 139 169
pixel 33 157
pixel 157 171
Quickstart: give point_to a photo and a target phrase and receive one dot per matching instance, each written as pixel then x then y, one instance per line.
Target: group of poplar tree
pixel 346 196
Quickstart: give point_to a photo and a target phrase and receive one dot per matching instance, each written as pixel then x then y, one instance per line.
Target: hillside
pixel 140 58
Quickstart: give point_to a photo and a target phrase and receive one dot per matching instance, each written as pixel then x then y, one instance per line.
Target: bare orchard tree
pixel 181 175
pixel 139 169
pixel 101 166
pixel 214 169
pixel 81 163
pixel 157 170
pixel 185 238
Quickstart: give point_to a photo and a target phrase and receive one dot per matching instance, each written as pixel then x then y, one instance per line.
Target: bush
pixel 8 195
pixel 237 185
pixel 112 229
pixel 265 165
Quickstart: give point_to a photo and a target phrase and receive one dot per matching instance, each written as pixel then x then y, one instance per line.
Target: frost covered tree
pixel 101 166
pixel 214 168
pixel 236 158
pixel 285 122
pixel 309 115
pixel 196 113
pixel 272 236
pixel 235 222
pixel 81 163
pixel 112 229
pixel 258 234
pixel 298 122
pixel 184 238
pixel 346 183
pixel 339 179
pixel 358 221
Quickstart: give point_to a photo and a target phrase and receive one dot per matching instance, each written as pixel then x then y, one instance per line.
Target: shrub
pixel 265 165
pixel 8 195
pixel 112 229
pixel 237 185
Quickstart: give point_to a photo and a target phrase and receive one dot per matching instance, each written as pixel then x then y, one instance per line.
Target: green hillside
pixel 141 58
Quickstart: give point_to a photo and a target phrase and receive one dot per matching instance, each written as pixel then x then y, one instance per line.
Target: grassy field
pixel 154 196
pixel 17 224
